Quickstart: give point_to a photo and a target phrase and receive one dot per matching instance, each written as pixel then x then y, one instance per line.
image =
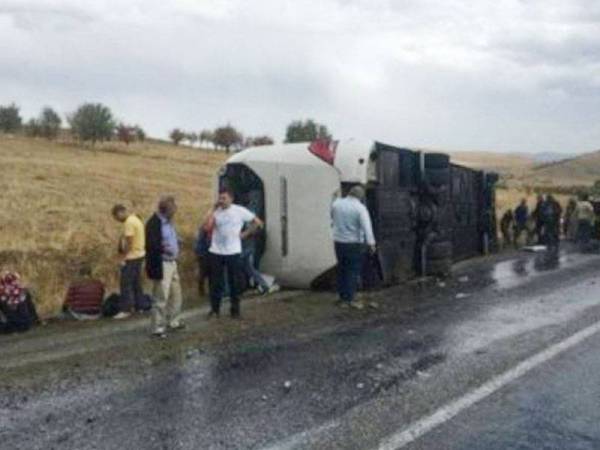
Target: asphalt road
pixel 355 380
pixel 555 406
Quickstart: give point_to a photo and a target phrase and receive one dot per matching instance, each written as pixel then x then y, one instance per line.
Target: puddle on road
pixel 508 274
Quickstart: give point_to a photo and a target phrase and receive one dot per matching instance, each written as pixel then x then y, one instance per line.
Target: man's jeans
pixel 249 268
pixel 349 258
pixel 219 265
pixel 166 309
pixel 584 231
pixel 131 284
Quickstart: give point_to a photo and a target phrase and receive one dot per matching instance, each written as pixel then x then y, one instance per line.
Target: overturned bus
pixel 427 212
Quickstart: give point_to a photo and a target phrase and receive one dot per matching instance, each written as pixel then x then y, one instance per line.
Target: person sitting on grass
pixel 84 296
pixel 17 311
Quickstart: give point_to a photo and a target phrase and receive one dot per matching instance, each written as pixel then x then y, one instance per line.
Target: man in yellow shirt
pixel 132 250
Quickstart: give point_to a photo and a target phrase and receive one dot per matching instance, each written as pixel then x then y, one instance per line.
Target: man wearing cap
pixel 352 231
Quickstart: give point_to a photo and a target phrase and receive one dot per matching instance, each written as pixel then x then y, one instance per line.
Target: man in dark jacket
pixel 550 213
pixel 521 217
pixel 162 252
pixel 537 216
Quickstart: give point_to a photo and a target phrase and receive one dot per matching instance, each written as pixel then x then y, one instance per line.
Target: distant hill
pixel 505 163
pixel 549 157
pixel 582 169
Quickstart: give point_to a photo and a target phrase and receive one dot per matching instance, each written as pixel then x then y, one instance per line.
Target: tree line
pixel 227 137
pixel 95 122
pixel 91 122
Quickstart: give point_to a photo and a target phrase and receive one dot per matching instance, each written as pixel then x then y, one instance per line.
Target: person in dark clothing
pixel 17 310
pixel 570 225
pixel 521 217
pixel 505 224
pixel 162 253
pixel 537 217
pixel 550 213
pixel 201 250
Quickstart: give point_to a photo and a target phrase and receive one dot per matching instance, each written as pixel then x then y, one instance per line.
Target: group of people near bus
pixel 547 221
pixel 225 249
pixel 156 246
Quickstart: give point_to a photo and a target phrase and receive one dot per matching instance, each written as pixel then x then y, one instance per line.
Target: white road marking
pixel 450 410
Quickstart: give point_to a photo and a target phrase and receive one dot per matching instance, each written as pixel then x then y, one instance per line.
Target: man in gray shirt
pixel 352 231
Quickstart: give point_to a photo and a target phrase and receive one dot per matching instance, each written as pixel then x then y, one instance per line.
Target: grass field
pixel 56 201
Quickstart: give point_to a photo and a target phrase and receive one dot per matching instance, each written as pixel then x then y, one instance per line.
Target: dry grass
pixel 56 201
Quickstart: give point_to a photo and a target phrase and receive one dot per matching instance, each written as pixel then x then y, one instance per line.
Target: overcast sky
pixel 503 75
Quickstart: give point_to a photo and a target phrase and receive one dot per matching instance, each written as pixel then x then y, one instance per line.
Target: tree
pixel 260 140
pixel 92 122
pixel 206 136
pixel 227 137
pixel 192 138
pixel 49 123
pixel 307 131
pixel 33 128
pixel 140 134
pixel 177 136
pixel 126 133
pixel 10 119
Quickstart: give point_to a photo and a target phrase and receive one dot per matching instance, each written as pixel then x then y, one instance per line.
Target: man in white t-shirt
pixel 225 222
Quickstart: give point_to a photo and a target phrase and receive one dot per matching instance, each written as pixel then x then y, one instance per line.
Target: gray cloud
pixel 508 75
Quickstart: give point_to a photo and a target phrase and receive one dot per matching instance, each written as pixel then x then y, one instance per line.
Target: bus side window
pixel 283 208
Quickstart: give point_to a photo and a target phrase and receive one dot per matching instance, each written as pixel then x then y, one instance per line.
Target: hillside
pixel 583 169
pixel 505 163
pixel 56 201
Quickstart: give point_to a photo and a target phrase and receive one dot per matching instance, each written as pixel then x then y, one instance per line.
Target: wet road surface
pixel 555 406
pixel 354 379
